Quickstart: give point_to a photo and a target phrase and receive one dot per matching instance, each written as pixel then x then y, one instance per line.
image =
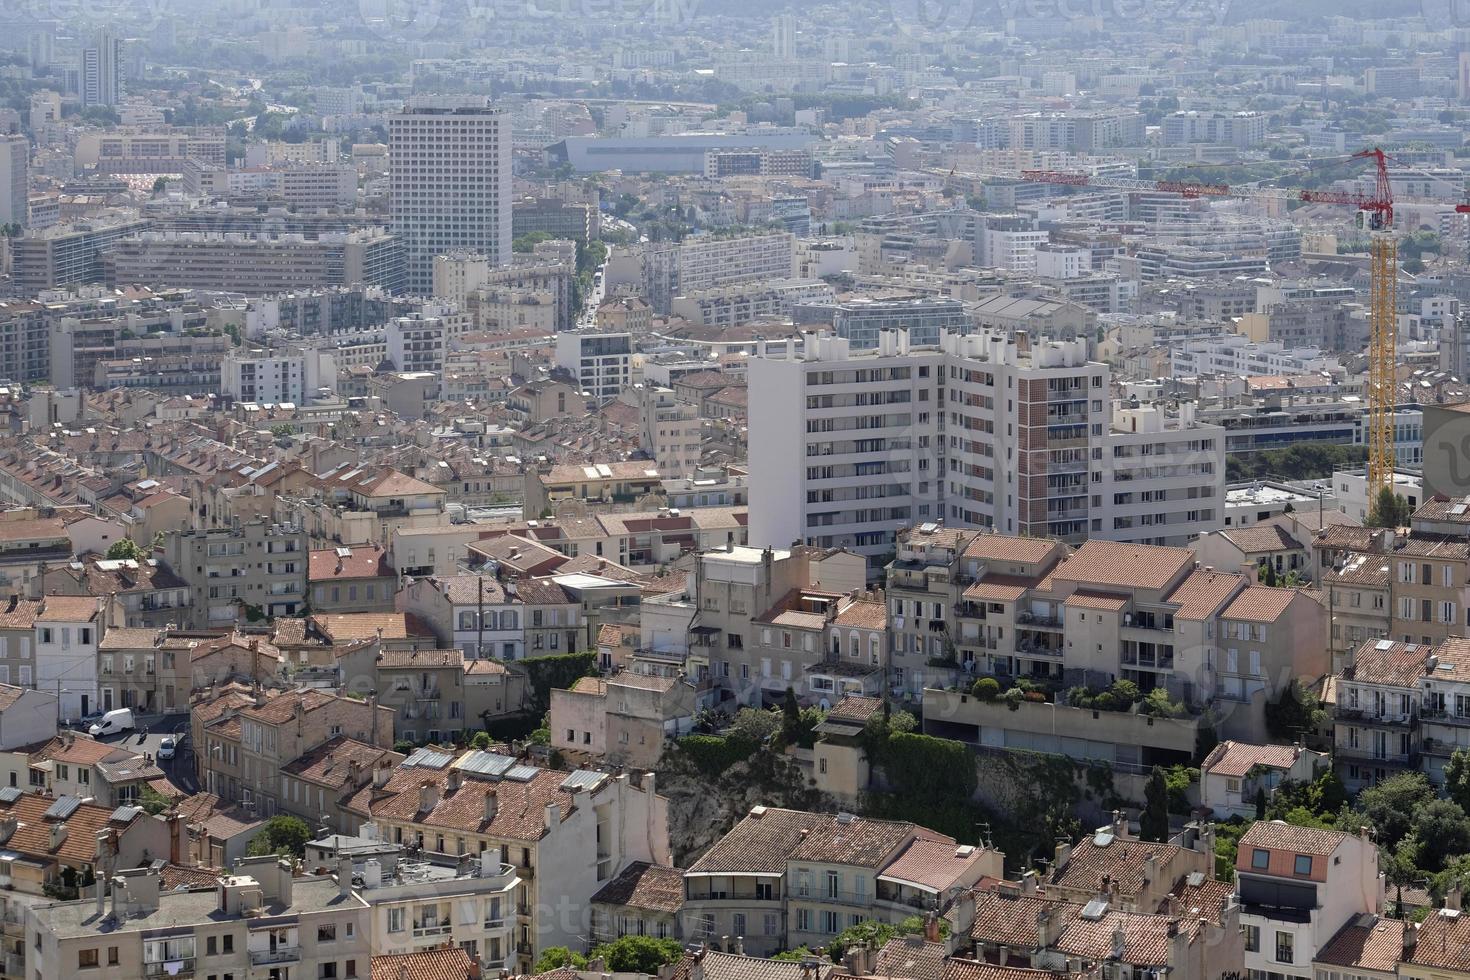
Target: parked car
pixel 166 748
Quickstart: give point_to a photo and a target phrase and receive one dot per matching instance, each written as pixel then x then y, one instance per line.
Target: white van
pixel 115 722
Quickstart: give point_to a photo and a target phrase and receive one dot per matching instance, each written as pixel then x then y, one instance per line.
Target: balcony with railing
pixel 281 954
pixel 833 896
pixel 170 968
pixel 431 928
pixel 1379 717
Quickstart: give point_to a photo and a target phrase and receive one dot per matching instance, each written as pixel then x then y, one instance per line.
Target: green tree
pixel 283 835
pixel 1457 778
pixel 1153 824
pixel 872 933
pixel 556 957
pixel 481 741
pixel 1329 795
pixel 757 724
pixel 1295 713
pixel 529 241
pixel 152 801
pixel 125 549
pixel 1442 832
pixel 1389 808
pixel 160 184
pixel 1388 510
pixel 790 717
pixel 638 954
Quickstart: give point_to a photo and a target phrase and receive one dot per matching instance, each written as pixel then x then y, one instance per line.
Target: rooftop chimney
pixel 428 795
pixel 491 804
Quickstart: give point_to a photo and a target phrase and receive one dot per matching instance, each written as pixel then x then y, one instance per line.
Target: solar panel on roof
pixel 1383 645
pixel 1095 909
pixel 521 774
pixel 10 794
pixel 486 763
pixel 64 807
pixel 125 814
pixel 427 759
pixel 582 779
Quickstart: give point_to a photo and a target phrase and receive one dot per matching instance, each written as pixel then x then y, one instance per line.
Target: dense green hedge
pixel 556 672
pixel 928 769
pixel 713 754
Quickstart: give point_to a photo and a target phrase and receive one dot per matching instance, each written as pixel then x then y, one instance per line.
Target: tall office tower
pixel 15 157
pixel 449 180
pixel 783 37
pixel 102 71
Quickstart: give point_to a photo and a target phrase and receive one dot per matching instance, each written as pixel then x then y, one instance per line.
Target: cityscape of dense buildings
pixel 735 492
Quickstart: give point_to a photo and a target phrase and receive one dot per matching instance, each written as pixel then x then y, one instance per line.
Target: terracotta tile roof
pixel 1453 658
pixel 1207 900
pixel 1202 593
pixel 32 836
pixel 1444 943
pixel 641 885
pixel 932 864
pixel 1122 861
pixel 178 876
pixel 614 634
pixel 1397 665
pixel 855 708
pixel 1123 566
pixel 1257 539
pixel 1259 604
pixel 1007 918
pixel 129 638
pixel 19 614
pixel 32 530
pixel 858 841
pixel 729 966
pixel 68 608
pixel 999 588
pixel 1237 759
pixel 788 612
pixel 361 561
pixel 282 707
pixel 1277 835
pixel 1006 547
pixel 1376 947
pixel 484 667
pixel 9 694
pixel 863 614
pixel 520 810
pixel 956 969
pixel 766 838
pixel 330 764
pixel 449 963
pixel 1082 599
pixel 414 659
pixel 78 750
pixel 912 957
pixel 1146 938
pixel 365 626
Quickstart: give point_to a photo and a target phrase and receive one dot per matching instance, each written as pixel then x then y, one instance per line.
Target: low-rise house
pixel 1375 720
pixel 351 579
pixel 1296 887
pixel 392 630
pixel 643 900
pixel 259 919
pixel 566 833
pixel 1234 773
pixel 148 594
pixel 1368 947
pixel 1272 543
pixel 625 719
pixel 316 784
pixel 472 613
pixel 1137 874
pixel 785 878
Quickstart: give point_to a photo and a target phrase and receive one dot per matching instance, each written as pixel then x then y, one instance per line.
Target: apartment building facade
pixel 566 834
pixel 981 431
pixel 784 878
pixel 260 921
pixel 255 566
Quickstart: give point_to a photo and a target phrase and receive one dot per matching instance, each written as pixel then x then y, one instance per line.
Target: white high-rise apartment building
pixel 449 180
pixel 783 37
pixel 15 196
pixel 979 431
pixel 102 71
